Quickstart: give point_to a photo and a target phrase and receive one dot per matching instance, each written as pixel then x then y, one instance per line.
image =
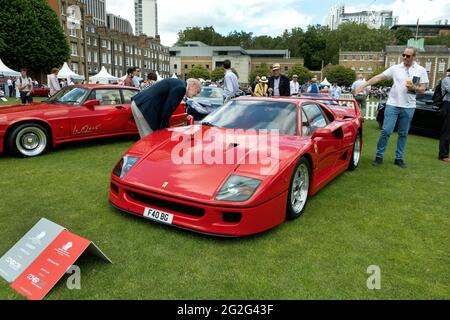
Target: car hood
pixel 162 169
pixel 36 108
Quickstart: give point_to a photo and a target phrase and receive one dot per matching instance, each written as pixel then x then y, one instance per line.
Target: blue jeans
pixel 391 114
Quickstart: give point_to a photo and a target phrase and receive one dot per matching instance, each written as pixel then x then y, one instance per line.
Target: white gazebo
pixel 174 76
pixel 102 77
pixel 7 72
pixel 158 77
pixel 66 73
pixel 325 83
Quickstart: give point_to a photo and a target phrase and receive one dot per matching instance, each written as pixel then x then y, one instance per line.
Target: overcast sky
pixel 270 17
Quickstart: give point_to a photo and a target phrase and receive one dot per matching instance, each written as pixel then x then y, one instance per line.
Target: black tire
pixel 295 210
pixel 28 140
pixel 355 158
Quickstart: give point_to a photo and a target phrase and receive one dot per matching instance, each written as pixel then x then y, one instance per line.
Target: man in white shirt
pixel 25 86
pixel 409 79
pixel 295 86
pixel 335 91
pixel 53 82
pixel 230 82
pixel 362 96
pixel 10 87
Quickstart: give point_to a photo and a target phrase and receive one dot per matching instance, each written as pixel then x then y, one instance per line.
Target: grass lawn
pixel 12 101
pixel 386 216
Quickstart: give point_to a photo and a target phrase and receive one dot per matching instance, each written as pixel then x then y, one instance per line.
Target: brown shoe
pixel 446 159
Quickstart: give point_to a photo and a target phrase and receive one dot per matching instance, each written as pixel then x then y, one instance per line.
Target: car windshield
pixel 211 92
pixel 69 95
pixel 258 115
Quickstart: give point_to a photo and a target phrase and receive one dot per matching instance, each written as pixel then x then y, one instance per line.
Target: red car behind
pixel 74 113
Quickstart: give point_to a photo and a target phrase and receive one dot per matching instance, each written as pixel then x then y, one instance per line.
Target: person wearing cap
pixel 278 84
pixel 335 91
pixel 444 142
pixel 295 86
pixel 262 87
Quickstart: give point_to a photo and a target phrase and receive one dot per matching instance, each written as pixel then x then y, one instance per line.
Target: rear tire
pixel 28 140
pixel 298 189
pixel 356 154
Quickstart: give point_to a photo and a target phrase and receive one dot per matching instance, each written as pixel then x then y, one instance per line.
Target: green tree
pixel 384 83
pixel 206 35
pixel 262 70
pixel 198 71
pixel 302 72
pixel 33 36
pixel 342 75
pixel 217 74
pixel 402 35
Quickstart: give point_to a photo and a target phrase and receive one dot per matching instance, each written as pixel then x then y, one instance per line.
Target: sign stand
pixel 41 258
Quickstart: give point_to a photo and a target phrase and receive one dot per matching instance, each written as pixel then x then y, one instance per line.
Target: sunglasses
pixel 406 56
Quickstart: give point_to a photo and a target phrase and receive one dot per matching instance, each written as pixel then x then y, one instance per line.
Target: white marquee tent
pixel 66 73
pixel 7 72
pixel 102 77
pixel 325 82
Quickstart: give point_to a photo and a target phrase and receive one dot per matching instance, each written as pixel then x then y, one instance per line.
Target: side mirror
pixel 190 120
pixel 322 133
pixel 91 103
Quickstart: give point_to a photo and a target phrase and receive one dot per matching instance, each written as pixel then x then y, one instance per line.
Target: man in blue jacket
pixel 153 107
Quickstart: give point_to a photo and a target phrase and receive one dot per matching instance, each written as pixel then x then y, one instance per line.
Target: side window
pixel 306 128
pixel 315 117
pixel 107 96
pixel 128 94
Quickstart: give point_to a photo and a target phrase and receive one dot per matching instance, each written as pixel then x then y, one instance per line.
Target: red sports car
pixel 41 91
pixel 74 113
pixel 248 167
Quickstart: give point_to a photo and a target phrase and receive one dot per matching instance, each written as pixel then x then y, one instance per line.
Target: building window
pixel 175 66
pixel 74 49
pixel 286 68
pixel 185 66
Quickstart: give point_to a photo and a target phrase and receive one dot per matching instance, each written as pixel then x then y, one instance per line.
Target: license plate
pixel 158 215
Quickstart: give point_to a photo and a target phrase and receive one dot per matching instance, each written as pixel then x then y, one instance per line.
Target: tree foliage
pixel 342 75
pixel 302 72
pixel 318 45
pixel 198 71
pixel 33 36
pixel 402 35
pixel 262 70
pixel 217 74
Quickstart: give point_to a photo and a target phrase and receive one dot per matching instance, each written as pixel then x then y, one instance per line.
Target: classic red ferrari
pixel 74 113
pixel 248 167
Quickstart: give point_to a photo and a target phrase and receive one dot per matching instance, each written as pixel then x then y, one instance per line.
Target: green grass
pixel 386 216
pixel 13 101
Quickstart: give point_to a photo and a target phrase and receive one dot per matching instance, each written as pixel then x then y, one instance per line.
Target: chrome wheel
pixel 300 188
pixel 357 151
pixel 31 141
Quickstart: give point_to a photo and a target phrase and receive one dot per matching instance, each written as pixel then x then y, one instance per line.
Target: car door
pixel 326 148
pixel 127 95
pixel 109 117
pixel 427 117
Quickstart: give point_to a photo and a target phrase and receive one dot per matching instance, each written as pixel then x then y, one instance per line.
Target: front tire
pixel 29 140
pixel 298 189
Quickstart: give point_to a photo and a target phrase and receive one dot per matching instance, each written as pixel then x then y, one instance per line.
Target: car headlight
pixel 238 189
pixel 124 165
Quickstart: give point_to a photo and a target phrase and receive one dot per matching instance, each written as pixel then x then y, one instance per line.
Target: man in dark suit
pixel 153 107
pixel 278 84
